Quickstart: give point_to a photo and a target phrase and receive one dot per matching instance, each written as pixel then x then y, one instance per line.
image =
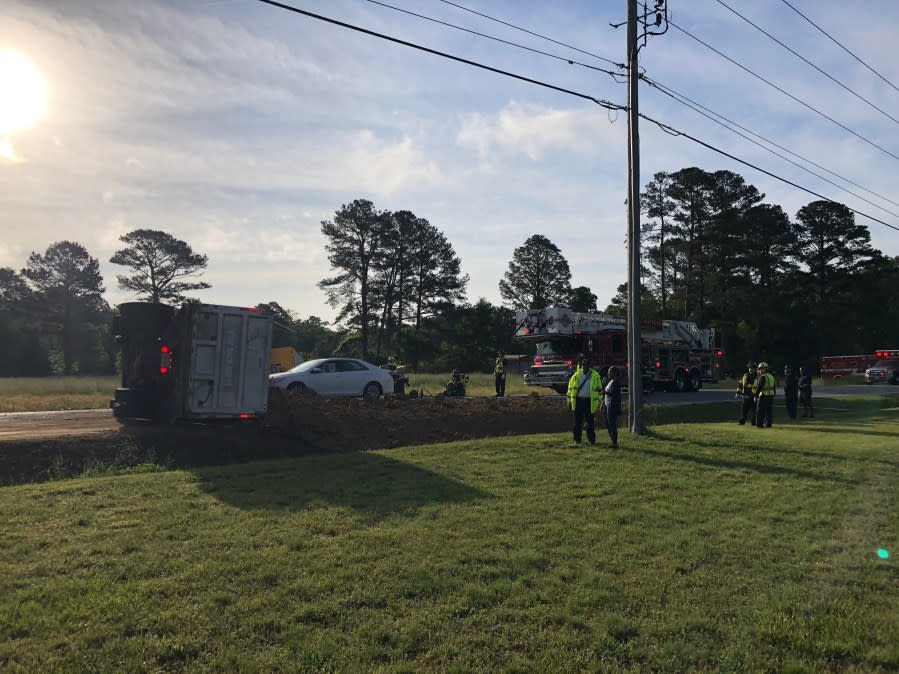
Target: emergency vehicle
pixel 885 369
pixel 834 367
pixel 677 355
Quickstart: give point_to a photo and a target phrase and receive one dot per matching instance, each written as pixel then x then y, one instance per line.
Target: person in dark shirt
pixel 791 391
pixel 805 393
pixel 744 390
pixel 612 405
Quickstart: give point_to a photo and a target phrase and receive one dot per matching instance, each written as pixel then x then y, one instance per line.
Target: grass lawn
pixel 702 547
pixel 37 394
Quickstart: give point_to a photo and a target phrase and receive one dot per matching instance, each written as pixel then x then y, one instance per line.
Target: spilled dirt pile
pixel 332 424
pixel 46 446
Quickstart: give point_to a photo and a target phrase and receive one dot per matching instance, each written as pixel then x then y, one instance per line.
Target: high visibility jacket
pixel 766 385
pixel 500 366
pixel 595 386
pixel 746 384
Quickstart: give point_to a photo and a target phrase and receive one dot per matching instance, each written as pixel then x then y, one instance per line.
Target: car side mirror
pixel 315 370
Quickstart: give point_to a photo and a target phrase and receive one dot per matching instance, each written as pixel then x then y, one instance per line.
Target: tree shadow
pixel 371 484
pixel 730 463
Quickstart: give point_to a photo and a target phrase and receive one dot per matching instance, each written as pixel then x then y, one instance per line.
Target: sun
pixel 23 93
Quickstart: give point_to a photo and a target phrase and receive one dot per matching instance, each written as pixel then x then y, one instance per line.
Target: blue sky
pixel 238 127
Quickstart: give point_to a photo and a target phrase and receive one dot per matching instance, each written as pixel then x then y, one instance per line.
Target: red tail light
pixel 244 416
pixel 165 359
pixel 658 364
pixel 569 362
pixel 538 361
pixel 719 353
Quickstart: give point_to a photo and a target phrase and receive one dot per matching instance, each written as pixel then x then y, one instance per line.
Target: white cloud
pixel 535 130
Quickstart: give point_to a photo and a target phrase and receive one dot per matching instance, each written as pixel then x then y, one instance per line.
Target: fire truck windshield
pixel 559 346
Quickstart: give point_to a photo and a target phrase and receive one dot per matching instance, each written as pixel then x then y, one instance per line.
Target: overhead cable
pixel 786 93
pixel 600 102
pixel 529 32
pixel 845 49
pixel 606 104
pixel 674 132
pixel 800 56
pixel 712 115
pixel 491 37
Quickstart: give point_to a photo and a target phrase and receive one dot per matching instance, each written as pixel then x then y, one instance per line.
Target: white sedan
pixel 336 377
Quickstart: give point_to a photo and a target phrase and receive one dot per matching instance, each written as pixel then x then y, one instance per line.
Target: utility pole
pixel 634 361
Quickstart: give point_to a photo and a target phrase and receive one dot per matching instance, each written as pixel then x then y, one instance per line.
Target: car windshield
pixel 308 365
pixel 561 346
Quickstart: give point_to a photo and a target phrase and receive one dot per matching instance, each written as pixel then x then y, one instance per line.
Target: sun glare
pixel 23 93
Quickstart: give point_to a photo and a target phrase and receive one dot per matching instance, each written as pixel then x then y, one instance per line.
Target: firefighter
pixel 584 396
pixel 791 391
pixel 499 374
pixel 765 389
pixel 744 390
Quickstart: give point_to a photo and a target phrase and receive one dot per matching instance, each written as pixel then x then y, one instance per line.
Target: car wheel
pixel 297 387
pixel 372 391
pixel 680 381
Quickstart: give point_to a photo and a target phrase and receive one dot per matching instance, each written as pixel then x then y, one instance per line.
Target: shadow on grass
pixel 372 484
pixel 730 463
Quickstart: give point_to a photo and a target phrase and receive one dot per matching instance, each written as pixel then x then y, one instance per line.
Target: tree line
pixel 775 288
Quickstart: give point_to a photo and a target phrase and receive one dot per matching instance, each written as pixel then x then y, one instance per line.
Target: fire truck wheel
pixel 695 380
pixel 372 391
pixel 680 381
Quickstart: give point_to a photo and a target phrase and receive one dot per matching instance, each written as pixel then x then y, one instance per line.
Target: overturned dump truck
pixel 200 361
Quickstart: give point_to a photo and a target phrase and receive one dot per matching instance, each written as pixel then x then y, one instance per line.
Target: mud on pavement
pixel 296 424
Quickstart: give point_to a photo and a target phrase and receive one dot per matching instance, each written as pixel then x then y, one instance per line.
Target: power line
pixel 800 56
pixel 674 132
pixel 786 93
pixel 845 49
pixel 600 102
pixel 711 114
pixel 606 104
pixel 491 37
pixel 529 32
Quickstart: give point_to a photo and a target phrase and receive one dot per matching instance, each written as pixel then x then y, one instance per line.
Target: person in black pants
pixel 765 390
pixel 612 405
pixel 747 382
pixel 805 393
pixel 791 391
pixel 499 374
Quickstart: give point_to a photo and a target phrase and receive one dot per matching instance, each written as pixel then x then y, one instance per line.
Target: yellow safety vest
pixel 500 366
pixel 596 390
pixel 768 384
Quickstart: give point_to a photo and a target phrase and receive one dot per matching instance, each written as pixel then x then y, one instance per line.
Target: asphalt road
pixel 717 396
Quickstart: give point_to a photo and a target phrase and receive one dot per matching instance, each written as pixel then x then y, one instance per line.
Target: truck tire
pixel 561 389
pixel 372 391
pixel 695 382
pixel 680 381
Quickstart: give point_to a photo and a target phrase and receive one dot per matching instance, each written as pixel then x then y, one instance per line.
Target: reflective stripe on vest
pixel 768 386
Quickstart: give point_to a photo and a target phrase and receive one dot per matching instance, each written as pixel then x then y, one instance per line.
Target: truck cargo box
pixel 202 361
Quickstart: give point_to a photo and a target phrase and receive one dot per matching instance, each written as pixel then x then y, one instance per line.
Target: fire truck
pixel 834 367
pixel 675 355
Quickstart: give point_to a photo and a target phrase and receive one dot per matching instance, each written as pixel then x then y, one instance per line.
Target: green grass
pixel 702 547
pixel 37 394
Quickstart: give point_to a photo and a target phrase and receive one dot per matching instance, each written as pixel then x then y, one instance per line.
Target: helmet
pixel 763 364
pixel 750 364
